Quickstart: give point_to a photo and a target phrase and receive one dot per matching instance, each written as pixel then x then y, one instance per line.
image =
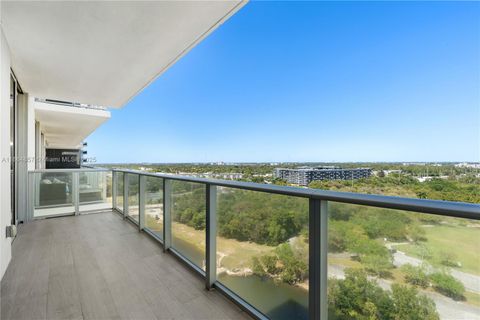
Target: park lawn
pixel 231 254
pixel 343 261
pixel 472 298
pixel 461 241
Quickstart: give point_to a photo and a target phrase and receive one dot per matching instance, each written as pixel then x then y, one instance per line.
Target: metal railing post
pixel 211 236
pixel 318 251
pixel 114 189
pixel 141 202
pixel 125 195
pixel 75 192
pixel 167 222
pixel 31 195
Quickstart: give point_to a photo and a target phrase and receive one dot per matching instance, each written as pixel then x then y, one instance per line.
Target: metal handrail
pixel 69 170
pixel 437 207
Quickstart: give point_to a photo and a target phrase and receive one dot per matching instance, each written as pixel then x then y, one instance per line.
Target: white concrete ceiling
pixel 67 127
pixel 103 52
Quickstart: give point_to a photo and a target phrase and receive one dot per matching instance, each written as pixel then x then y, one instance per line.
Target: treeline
pixel 176 168
pixel 361 230
pixel 284 264
pixel 463 189
pixel 189 204
pixel 357 230
pixel 243 215
pixel 273 219
pixel 445 169
pixel 260 217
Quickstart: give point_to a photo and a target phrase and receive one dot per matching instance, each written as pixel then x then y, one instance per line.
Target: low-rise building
pixel 303 176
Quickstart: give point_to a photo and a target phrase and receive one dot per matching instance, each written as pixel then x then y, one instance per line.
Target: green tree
pixel 199 220
pixel 356 297
pixel 282 226
pixel 409 305
pixel 377 265
pixel 284 265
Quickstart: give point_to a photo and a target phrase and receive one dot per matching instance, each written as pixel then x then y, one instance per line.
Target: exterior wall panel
pixel 5 188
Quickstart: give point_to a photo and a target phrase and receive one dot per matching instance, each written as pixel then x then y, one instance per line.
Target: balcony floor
pixel 99 266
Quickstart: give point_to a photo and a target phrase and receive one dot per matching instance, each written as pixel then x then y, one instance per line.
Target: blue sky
pixel 313 81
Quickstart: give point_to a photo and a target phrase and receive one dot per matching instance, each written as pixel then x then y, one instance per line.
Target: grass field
pixel 462 242
pixel 231 254
pixel 472 298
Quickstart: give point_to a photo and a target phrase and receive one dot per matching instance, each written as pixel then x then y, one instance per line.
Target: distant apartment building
pixel 303 176
pixel 473 165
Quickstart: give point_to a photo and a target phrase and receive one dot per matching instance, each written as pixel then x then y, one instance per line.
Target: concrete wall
pixel 5 214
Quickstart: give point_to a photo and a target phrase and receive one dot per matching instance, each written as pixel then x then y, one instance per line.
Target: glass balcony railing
pixel 293 253
pixel 188 221
pixel 154 206
pixel 119 181
pixel 95 190
pixel 133 184
pixel 61 192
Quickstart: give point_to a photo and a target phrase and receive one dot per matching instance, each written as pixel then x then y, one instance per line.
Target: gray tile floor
pixel 98 266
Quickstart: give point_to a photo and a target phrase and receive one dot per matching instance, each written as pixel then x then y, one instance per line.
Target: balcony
pixel 111 264
pixel 99 267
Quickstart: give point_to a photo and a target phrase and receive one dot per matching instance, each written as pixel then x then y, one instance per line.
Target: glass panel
pixel 119 191
pixel 53 193
pixel 392 264
pixel 154 205
pixel 95 190
pixel 133 189
pixel 262 250
pixel 188 220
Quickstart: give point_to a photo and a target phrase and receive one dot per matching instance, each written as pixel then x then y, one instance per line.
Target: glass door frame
pixel 14 91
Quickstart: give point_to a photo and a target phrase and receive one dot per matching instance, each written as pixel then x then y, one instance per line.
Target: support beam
pixel 31 196
pixel 125 195
pixel 22 154
pixel 211 236
pixel 114 189
pixel 141 202
pixel 167 222
pixel 318 251
pixel 76 192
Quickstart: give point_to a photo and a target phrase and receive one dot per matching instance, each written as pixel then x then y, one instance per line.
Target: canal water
pixel 277 300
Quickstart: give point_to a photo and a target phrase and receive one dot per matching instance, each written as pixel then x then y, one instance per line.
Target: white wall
pixel 5 215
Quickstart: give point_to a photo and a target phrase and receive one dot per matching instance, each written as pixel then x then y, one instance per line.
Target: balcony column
pixel 141 202
pixel 31 195
pixel 114 189
pixel 318 251
pixel 211 236
pixel 167 222
pixel 75 192
pixel 125 195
